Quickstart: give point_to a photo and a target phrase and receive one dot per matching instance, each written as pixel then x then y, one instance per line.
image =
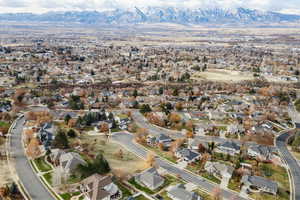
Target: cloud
pixel 287 6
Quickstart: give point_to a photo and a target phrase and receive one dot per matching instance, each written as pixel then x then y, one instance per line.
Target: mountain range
pixel 158 15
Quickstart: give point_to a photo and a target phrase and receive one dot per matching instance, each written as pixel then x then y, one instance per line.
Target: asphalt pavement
pixel 126 140
pixel 22 166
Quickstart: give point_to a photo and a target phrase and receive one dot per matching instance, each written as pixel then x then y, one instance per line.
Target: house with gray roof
pixel 193 144
pixel 257 184
pixel 187 155
pixel 179 192
pixel 228 147
pixel 55 155
pixel 70 161
pixel 219 170
pixel 263 152
pixel 150 178
pixel 97 187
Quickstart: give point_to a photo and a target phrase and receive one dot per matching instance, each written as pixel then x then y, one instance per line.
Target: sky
pixel 41 6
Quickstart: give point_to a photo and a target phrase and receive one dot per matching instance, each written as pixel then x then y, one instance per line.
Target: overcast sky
pixel 40 6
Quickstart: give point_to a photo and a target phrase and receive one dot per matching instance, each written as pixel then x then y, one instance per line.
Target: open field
pixel 128 164
pixel 222 75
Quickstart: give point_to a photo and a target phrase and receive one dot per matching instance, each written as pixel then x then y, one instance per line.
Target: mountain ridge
pixel 158 15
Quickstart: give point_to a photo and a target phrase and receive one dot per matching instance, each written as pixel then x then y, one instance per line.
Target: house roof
pixel 95 186
pixel 231 145
pixel 150 177
pixel 260 182
pixel 163 137
pixel 265 151
pixel 187 153
pixel 180 193
pixel 219 167
pixel 70 160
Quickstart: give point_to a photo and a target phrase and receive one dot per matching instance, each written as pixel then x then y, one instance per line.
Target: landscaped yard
pixel 164 154
pixel 281 195
pixel 68 196
pixel 141 197
pixel 125 191
pixel 42 165
pixel 234 184
pixel 210 177
pixel 118 157
pixel 48 177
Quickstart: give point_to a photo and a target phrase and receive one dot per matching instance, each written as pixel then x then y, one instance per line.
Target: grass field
pixel 128 163
pixel 42 165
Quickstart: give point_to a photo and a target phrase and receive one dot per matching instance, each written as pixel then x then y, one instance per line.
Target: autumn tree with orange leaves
pixel 33 149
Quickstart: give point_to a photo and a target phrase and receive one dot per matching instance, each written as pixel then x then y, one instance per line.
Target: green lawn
pixel 164 154
pixel 42 165
pixel 141 197
pixel 125 191
pixel 4 124
pixel 297 105
pixel 234 184
pixel 48 177
pixel 68 196
pixel 210 177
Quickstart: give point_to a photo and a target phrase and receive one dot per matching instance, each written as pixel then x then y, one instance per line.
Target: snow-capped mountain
pixel 159 15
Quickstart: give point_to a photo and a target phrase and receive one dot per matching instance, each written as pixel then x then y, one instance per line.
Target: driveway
pixel 126 140
pixel 22 166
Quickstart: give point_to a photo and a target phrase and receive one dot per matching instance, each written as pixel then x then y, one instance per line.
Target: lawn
pixel 128 163
pixel 141 197
pixel 68 196
pixel 4 124
pixel 204 195
pixel 234 184
pixel 276 173
pixel 281 195
pixel 42 165
pixel 48 177
pixel 210 177
pixel 296 155
pixel 297 105
pixel 125 191
pixel 164 154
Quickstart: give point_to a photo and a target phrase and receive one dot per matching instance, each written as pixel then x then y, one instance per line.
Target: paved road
pixel 141 121
pixel 24 171
pixel 290 160
pixel 126 140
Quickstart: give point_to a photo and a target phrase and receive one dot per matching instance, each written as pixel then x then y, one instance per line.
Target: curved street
pixel 126 140
pixel 27 176
pixel 291 162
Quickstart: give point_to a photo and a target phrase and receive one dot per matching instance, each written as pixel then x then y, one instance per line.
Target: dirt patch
pixel 223 75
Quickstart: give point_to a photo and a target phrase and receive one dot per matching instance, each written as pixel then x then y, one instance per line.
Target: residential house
pixel 179 192
pixel 163 139
pixel 97 187
pixel 260 151
pixel 219 170
pixel 187 155
pixel 46 135
pixel 216 115
pixel 70 161
pixel 150 178
pixel 235 129
pixel 228 147
pixel 193 144
pixel 55 156
pixel 259 184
